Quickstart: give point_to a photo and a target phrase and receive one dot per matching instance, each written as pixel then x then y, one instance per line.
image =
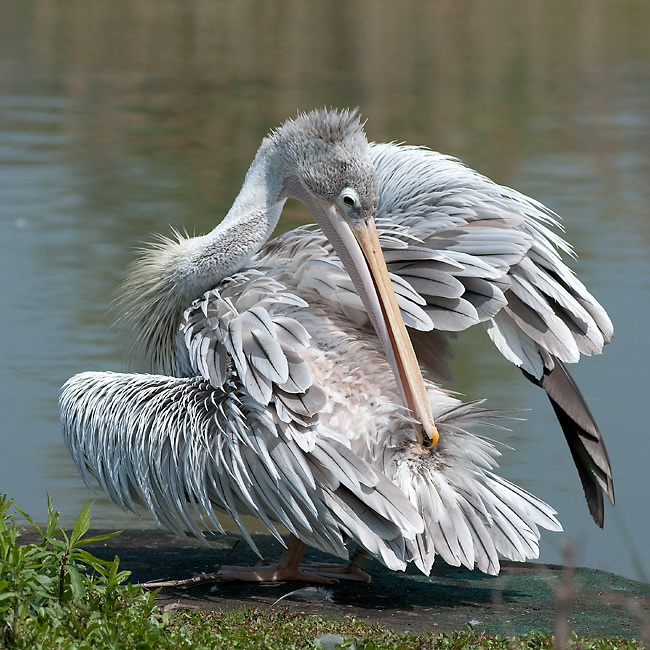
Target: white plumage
pixel 275 397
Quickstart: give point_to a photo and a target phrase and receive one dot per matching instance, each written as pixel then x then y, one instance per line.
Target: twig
pixel 227 555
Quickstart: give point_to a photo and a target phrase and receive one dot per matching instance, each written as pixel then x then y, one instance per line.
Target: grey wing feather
pixel 453 209
pixel 471 515
pixel 184 449
pixel 583 437
pixel 244 323
pixel 537 313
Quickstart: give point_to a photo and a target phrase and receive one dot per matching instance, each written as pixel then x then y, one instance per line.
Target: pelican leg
pixel 354 570
pixel 289 567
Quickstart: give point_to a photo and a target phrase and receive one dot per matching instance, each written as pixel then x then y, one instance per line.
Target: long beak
pixel 360 250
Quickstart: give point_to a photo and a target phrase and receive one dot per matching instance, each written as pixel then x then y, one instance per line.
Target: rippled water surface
pixel 120 119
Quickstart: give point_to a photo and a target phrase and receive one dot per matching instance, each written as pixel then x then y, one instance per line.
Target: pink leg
pixel 288 568
pixel 354 570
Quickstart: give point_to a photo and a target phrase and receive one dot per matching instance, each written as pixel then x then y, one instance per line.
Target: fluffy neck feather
pixel 324 149
pixel 175 271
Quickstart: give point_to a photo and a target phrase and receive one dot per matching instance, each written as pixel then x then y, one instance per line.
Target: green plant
pixel 55 590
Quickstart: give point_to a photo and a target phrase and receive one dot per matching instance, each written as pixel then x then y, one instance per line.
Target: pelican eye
pixel 349 200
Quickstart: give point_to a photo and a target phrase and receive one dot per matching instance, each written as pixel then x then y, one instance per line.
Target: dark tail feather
pixel 582 435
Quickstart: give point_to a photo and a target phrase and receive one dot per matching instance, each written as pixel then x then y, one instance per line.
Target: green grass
pixel 261 629
pixel 56 595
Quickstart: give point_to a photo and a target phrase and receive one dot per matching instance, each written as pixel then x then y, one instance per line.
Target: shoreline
pixel 523 597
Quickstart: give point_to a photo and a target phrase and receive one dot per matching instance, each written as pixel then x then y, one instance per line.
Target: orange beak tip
pixel 435 437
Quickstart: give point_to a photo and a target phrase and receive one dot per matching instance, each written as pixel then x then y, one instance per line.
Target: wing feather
pixel 471 516
pixel 182 448
pixel 248 322
pixel 538 314
pixel 452 209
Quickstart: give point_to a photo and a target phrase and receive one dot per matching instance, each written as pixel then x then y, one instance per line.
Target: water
pixel 117 121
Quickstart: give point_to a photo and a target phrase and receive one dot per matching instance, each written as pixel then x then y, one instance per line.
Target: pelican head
pixel 326 153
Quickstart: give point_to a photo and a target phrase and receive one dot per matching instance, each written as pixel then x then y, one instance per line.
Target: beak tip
pixel 434 437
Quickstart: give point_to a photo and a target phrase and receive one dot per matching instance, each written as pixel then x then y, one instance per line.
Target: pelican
pixel 284 377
